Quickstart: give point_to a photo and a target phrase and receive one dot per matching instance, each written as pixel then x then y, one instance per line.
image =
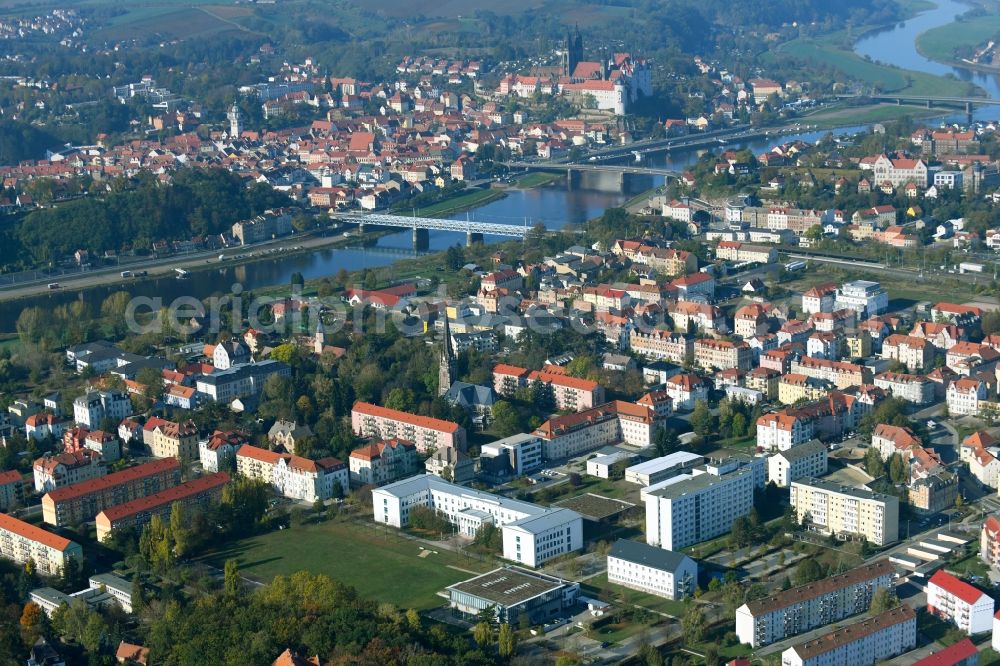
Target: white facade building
pixel 663 573
pixel 800 609
pixel 953 600
pixel 697 506
pixel 531 534
pixel 863 296
pixel 867 642
pixel 800 461
pixel 94 406
pixel 847 512
pixel 292 476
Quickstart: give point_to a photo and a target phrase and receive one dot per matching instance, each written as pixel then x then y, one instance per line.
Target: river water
pixel 554 205
pixel 897 46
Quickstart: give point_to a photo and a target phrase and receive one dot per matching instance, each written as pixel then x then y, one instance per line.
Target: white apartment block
pixel 694 507
pixel 831 508
pixel 864 297
pixel 955 601
pixel 662 573
pixel 531 534
pixel 523 452
pixel 803 460
pixel 653 471
pixel 21 541
pixel 94 406
pixel 869 641
pixel 294 477
pixel 800 609
pixel 427 433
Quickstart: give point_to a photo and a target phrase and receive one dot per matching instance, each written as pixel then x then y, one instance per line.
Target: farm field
pixel 168 22
pixel 380 563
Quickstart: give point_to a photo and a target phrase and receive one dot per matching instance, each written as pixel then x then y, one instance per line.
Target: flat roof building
pixel 832 508
pixel 513 592
pixel 531 534
pixel 658 469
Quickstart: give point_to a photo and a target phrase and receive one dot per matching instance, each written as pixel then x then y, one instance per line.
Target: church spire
pixel 446 370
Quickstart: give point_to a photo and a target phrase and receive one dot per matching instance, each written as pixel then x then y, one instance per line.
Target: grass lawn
pixel 458 203
pixel 989 657
pixel 598 585
pixel 537 179
pixel 864 115
pixel 380 564
pixel 940 43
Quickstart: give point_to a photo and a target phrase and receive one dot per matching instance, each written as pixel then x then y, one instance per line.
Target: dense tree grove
pixel 198 202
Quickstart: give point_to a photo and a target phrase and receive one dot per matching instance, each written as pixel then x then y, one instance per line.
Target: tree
pixel 874 466
pixel 693 624
pixel 32 622
pixel 151 381
pixel 899 470
pixel 297 279
pixel 506 419
pixel 506 641
pixel 808 571
pixel 483 634
pixel 666 441
pixel 741 535
pixel 413 619
pixel 702 421
pixel 882 600
pixel 232 583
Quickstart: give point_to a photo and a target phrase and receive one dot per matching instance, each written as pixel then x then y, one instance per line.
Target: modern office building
pixel 80 502
pixel 831 508
pixel 513 592
pixel 512 456
pixel 864 297
pixel 21 541
pixel 799 609
pixel 663 573
pixel 953 600
pixel 698 505
pixel 869 641
pixel 659 469
pixel 531 534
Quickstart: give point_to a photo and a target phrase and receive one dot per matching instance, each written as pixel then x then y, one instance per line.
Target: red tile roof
pixel 116 479
pixel 949 656
pixel 956 587
pixel 11 476
pixel 413 419
pixel 29 531
pixel 168 496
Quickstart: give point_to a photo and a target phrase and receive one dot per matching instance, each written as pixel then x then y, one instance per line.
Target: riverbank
pixel 537 179
pixel 193 263
pixel 865 115
pixel 458 204
pixel 940 43
pixel 840 50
